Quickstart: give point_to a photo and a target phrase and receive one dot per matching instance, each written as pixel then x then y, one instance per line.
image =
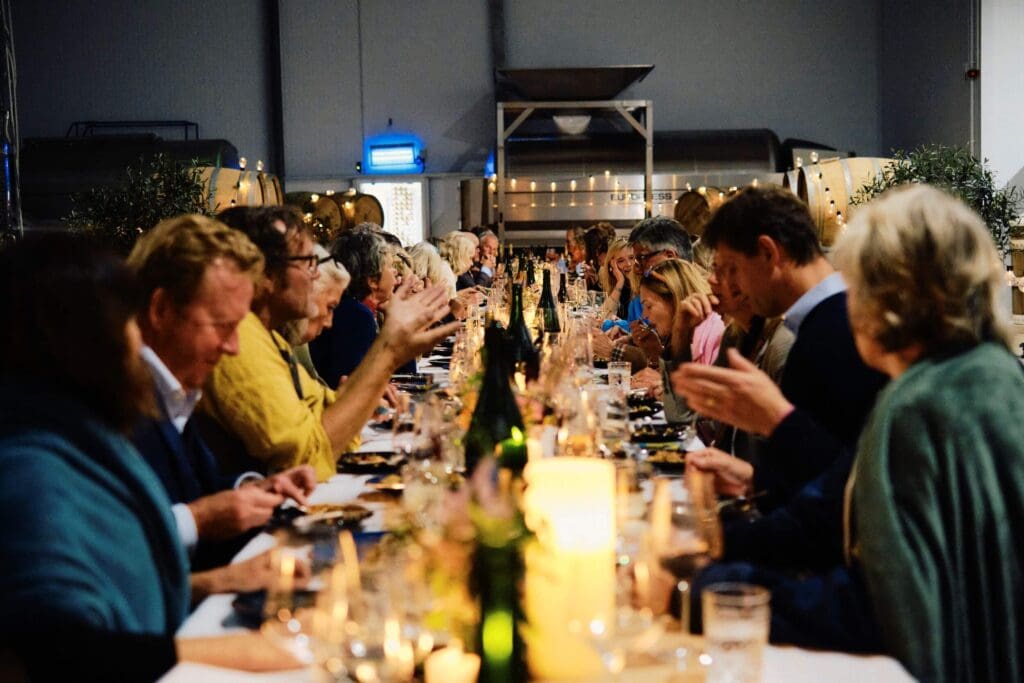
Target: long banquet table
pixel 215 615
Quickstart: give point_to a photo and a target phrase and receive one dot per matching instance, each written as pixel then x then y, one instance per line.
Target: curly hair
pixel 922 269
pixel 364 254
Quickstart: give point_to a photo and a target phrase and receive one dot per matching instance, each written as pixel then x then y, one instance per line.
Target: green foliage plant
pixel 155 189
pixel 954 170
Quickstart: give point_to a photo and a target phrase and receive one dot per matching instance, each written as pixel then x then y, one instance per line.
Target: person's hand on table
pixel 732 476
pixel 741 395
pixel 408 318
pixel 646 379
pixel 251 651
pixel 295 483
pixel 614 332
pixel 458 308
pixel 256 573
pixel 601 344
pixel 229 513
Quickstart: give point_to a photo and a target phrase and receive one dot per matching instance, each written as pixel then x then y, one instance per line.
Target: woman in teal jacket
pixel 95 580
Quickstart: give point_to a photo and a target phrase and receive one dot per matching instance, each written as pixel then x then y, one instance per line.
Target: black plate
pixel 673 467
pixel 600 364
pixel 642 411
pixel 352 463
pixel 655 433
pixel 249 606
pixel 637 400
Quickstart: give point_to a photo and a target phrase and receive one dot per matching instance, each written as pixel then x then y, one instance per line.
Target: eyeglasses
pixel 311 261
pixel 642 259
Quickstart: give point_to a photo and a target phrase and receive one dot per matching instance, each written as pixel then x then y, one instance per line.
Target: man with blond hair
pixel 196 279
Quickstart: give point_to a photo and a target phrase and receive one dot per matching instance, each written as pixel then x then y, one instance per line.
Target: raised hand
pixel 741 395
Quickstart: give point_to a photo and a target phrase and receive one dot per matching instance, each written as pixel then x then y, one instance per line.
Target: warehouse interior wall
pixel 859 75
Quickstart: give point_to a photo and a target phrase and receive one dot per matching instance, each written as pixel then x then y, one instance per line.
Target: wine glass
pixel 404 424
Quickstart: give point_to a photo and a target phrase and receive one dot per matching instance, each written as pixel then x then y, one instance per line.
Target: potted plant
pixel 157 188
pixel 954 170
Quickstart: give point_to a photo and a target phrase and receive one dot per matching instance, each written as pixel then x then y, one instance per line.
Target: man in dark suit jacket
pixel 766 245
pixel 197 280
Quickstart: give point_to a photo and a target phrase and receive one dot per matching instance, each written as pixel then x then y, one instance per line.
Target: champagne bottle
pixel 563 296
pixel 520 346
pixel 497 412
pixel 547 309
pixel 530 276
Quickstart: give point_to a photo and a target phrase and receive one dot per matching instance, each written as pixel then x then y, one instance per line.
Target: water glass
pixel 618 378
pixel 736 621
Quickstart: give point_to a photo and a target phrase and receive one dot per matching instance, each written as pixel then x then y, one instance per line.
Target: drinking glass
pixel 736 620
pixel 618 378
pixel 404 424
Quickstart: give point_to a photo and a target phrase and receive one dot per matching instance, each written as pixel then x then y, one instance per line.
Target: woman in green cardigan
pixel 935 503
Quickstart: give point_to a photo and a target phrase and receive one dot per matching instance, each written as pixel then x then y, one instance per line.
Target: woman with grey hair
pixel 370 262
pixel 936 498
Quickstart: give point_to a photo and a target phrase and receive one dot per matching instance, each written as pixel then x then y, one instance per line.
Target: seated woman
pixel 72 481
pixel 595 243
pixel 936 495
pixel 620 283
pixel 457 249
pixel 662 291
pixel 370 262
pixel 95 577
pixel 938 485
pixel 428 265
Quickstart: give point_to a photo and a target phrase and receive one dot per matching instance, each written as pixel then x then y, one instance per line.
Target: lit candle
pixel 451 665
pixel 570 571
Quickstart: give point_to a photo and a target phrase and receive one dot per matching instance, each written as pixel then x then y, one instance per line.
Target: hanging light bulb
pixel 329 192
pixel 314 197
pixel 241 163
pixel 259 165
pixel 814 157
pixel 533 185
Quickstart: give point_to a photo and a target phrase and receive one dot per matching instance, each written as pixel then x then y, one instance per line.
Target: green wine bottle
pixel 497 412
pixel 520 346
pixel 546 308
pixel 563 295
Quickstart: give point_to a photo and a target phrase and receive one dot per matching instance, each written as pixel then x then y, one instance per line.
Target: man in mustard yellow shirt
pixel 263 409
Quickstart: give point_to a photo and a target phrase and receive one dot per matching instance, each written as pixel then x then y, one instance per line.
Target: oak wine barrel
pixel 835 181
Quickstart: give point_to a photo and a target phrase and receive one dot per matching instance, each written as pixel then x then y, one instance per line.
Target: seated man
pixel 196 278
pixel 486 259
pixel 261 409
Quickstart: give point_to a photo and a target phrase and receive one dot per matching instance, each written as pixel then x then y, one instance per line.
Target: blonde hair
pixel 676 279
pixel 175 254
pixel 923 269
pixel 605 277
pixel 457 249
pixel 427 263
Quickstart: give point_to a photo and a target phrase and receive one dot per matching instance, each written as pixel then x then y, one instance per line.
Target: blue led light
pixel 392 153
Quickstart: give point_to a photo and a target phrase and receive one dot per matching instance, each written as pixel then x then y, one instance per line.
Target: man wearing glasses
pixel 658 239
pixel 261 409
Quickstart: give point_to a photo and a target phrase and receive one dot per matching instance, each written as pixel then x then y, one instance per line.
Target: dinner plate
pixel 370 462
pixel 391 483
pixel 668 460
pixel 650 432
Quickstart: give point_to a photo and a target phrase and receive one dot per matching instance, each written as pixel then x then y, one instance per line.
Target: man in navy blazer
pixel 197 278
pixel 766 245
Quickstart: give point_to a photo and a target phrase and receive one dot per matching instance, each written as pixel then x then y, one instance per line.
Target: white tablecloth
pixel 215 616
